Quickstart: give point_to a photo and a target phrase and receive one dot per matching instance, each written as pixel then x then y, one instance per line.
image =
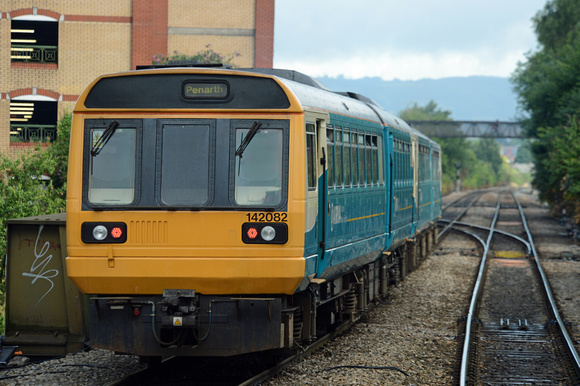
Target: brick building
pixel 50 50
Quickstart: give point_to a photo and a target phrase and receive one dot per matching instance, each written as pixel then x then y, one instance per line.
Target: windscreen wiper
pixel 248 138
pixel 102 141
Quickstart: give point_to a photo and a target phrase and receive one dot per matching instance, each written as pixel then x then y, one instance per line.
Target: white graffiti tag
pixel 39 264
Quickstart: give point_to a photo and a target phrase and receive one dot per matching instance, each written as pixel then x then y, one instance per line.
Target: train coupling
pixel 179 308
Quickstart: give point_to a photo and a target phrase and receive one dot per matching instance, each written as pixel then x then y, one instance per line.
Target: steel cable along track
pixel 512 334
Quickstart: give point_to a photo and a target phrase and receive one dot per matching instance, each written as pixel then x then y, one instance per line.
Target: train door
pixel 317 184
pixel 391 183
pixel 416 189
pixel 432 179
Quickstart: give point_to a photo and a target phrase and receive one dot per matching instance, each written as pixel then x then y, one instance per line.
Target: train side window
pixel 311 154
pixel 398 159
pixel 361 158
pixel 330 155
pixel 436 174
pixel 421 168
pixel 338 155
pixel 354 154
pixel 346 158
pixel 408 174
pixel 380 160
pixel 369 159
pixel 185 164
pixel 399 163
pixel 423 163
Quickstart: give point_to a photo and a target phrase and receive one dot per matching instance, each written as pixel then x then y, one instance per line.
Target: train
pixel 215 211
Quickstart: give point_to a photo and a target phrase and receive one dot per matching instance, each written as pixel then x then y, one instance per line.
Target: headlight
pixel 100 232
pixel 268 233
pixel 103 232
pixel 264 233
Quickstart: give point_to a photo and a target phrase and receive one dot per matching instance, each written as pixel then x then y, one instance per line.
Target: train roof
pixel 310 92
pixel 310 98
pixel 344 104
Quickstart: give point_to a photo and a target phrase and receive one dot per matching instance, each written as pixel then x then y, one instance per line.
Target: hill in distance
pixel 471 98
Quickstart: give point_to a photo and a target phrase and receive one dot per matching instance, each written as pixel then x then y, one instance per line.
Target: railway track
pixel 415 329
pixel 513 331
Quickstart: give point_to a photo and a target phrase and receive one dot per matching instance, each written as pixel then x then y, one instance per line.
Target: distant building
pixel 509 152
pixel 51 50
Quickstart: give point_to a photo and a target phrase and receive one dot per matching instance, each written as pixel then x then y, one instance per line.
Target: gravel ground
pixel 414 331
pixel 412 335
pixel 94 367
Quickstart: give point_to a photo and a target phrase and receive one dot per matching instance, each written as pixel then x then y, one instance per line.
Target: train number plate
pixel 267 217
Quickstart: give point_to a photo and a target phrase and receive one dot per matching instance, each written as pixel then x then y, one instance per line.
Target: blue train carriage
pixel 296 210
pixel 427 192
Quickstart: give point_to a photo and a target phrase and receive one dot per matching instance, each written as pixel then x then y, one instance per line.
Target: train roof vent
pixel 356 96
pixel 184 63
pixel 288 74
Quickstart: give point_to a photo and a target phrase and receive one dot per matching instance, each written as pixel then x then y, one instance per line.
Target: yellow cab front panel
pixel 177 179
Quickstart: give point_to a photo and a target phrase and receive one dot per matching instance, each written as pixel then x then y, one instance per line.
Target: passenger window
pixel 375 160
pixel 361 159
pixel 354 154
pixel 380 170
pixel 338 155
pixel 369 159
pixel 330 156
pixel 347 168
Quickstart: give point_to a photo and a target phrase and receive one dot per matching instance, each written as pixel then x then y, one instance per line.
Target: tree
pixel 487 150
pixel 453 149
pixel 480 163
pixel 207 56
pixel 524 154
pixel 548 88
pixel 560 163
pixel 429 112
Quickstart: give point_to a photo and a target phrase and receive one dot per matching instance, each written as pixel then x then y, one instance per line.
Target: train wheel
pixel 411 255
pixel 404 270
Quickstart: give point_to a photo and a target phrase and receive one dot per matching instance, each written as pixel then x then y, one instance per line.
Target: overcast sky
pixel 404 39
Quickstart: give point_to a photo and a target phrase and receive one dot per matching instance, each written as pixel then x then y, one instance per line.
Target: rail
pixel 475 298
pixel 554 308
pixel 452 222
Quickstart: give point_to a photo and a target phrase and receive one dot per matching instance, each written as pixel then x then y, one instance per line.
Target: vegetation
pixel 524 155
pixel 206 56
pixel 549 92
pixel 24 190
pixel 478 163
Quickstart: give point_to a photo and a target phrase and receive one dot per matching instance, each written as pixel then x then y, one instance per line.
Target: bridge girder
pixel 470 129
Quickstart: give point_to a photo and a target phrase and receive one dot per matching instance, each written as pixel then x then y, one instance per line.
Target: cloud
pixel 409 65
pixel 405 40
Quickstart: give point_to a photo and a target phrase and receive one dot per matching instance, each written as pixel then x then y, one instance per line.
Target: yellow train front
pixel 199 219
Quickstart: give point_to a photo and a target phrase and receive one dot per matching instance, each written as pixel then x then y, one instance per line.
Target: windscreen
pixel 258 174
pixel 112 165
pixel 185 164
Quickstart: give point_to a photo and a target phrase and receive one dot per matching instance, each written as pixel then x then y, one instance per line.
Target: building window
pixel 34 41
pixel 32 121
